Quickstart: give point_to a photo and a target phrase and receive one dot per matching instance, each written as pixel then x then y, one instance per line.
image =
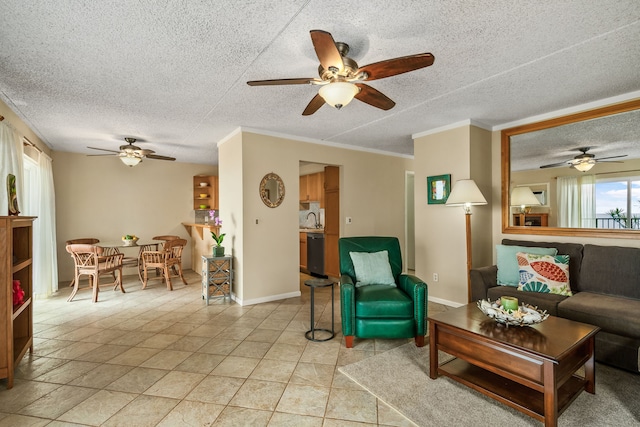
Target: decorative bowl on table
pixel 524 315
pixel 129 240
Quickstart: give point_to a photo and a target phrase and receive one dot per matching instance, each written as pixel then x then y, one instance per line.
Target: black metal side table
pixel 311 333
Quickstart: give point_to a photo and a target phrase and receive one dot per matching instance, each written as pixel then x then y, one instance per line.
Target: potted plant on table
pixel 218 249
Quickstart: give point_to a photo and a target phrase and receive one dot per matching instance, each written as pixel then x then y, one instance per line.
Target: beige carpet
pixel 400 378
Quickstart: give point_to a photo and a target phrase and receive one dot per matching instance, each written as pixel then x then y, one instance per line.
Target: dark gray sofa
pixel 605 281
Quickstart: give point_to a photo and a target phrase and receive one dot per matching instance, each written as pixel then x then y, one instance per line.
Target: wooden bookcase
pixel 206 194
pixel 16 263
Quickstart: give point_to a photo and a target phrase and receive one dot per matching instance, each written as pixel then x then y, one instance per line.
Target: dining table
pixel 142 245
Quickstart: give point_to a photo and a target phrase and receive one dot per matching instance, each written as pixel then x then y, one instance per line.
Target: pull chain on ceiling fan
pixel 341 78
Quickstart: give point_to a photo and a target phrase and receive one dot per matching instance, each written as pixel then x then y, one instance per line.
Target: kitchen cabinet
pixel 205 192
pixel 332 220
pixel 16 263
pixel 303 251
pixel 312 188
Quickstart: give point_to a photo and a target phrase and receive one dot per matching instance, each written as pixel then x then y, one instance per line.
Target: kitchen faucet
pixel 316 224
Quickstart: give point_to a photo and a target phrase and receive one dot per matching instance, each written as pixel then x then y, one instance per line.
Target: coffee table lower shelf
pixel 510 393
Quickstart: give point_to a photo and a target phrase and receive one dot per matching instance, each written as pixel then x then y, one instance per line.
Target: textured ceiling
pixel 173 73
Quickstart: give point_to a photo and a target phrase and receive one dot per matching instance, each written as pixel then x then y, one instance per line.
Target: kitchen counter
pixel 312 230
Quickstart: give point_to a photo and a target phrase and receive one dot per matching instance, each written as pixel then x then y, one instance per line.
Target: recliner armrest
pixel 347 305
pixel 483 278
pixel 417 290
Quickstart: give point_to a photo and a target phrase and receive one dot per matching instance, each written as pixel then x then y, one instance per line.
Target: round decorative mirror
pixel 272 190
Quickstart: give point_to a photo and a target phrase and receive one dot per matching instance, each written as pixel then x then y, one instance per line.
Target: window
pixel 618 203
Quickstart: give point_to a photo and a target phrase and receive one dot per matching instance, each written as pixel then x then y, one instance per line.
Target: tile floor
pixel 160 358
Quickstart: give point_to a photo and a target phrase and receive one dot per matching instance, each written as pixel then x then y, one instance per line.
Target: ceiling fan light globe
pixel 130 160
pixel 584 166
pixel 338 94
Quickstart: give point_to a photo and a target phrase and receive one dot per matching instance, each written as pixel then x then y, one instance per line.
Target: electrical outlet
pixel 348 220
pixel 435 277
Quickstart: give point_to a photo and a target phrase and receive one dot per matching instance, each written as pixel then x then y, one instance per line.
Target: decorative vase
pixel 218 251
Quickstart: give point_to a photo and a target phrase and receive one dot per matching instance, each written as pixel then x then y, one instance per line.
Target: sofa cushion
pixel 574 250
pixel 372 268
pixel 611 270
pixel 544 273
pixel 508 272
pixel 548 302
pixel 382 301
pixel 612 314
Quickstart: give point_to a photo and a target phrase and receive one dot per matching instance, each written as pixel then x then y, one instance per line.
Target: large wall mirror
pixel 583 169
pixel 272 190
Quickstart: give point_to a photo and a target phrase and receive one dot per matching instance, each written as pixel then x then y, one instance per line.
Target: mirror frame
pixel 264 193
pixel 506 174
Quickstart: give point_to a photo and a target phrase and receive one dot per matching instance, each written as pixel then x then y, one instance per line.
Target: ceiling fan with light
pixel 341 79
pixel 130 154
pixel 585 161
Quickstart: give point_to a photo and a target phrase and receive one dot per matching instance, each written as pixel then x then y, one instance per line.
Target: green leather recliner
pixel 380 311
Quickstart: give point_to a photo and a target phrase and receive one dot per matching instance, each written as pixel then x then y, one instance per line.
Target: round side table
pixel 311 333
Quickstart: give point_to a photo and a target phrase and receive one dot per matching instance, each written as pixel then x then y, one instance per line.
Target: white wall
pixel 267 259
pixel 101 197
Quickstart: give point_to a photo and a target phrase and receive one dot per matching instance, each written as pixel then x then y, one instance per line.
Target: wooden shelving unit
pixel 16 263
pixel 205 192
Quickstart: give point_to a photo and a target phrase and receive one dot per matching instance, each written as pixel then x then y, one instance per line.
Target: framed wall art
pixel 438 189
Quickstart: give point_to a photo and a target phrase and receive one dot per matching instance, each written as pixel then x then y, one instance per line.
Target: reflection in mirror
pixel 583 168
pixel 272 190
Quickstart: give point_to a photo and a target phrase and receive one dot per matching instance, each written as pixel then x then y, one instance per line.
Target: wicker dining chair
pixel 81 241
pixel 165 259
pixel 90 261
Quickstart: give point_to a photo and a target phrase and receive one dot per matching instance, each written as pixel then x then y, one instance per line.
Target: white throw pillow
pixel 372 268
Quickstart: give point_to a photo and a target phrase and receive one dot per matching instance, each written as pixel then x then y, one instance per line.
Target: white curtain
pixel 588 201
pixel 11 152
pixel 576 201
pixel 45 258
pixel 568 202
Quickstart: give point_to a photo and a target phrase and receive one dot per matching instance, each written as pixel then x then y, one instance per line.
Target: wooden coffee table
pixel 531 369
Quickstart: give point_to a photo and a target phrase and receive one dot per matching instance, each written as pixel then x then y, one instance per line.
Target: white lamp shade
pixel 523 196
pixel 465 192
pixel 130 160
pixel 338 94
pixel 585 165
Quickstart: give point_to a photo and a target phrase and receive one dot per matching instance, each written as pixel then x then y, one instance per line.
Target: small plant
pixel 218 223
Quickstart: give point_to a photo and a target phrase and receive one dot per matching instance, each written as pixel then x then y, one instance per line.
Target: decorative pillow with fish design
pixel 544 273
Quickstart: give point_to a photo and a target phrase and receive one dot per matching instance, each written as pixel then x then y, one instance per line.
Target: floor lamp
pixel 466 193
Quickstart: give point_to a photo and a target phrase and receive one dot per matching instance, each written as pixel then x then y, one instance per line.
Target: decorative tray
pixel 525 315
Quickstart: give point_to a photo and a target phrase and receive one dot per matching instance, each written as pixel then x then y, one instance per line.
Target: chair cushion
pixel 508 272
pixel 382 301
pixel 372 268
pixel 544 273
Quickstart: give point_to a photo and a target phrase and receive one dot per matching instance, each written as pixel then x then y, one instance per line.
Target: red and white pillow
pixel 544 273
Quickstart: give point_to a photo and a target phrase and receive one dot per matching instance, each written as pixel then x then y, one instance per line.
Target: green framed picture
pixel 438 189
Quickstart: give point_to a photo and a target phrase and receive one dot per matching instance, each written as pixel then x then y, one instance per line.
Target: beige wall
pixel 267 258
pixel 463 152
pixel 101 197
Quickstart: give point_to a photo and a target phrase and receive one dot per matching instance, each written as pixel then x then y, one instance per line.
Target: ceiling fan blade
pixel 326 49
pixel 555 165
pixel 314 105
pixel 100 155
pixel 157 157
pixel 300 81
pixel 599 159
pixel 393 67
pixel 374 97
pixel 102 149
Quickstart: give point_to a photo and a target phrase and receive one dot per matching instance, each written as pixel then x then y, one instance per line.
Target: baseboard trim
pixel 269 298
pixel 445 302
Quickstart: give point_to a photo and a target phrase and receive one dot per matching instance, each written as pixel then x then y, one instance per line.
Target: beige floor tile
pixel 131 338
pixel 156 326
pixel 135 356
pixel 79 333
pixel 74 350
pixel 390 417
pixel 202 363
pixel 190 413
pixel 321 352
pixel 159 341
pixel 166 359
pixel 32 367
pixel 292 337
pixel 275 324
pixel 288 352
pixel 220 347
pixel 258 394
pixel 304 400
pixel 352 405
pixel 101 376
pixel 143 411
pixel 103 353
pixel 273 370
pixel 45 347
pixel 314 374
pixel 137 380
pixel 67 372
pixel 13 420
pixel 281 419
pixel 238 367
pixel 23 393
pixel 251 349
pixel 233 417
pixel 59 401
pixel 98 408
pixel 328 422
pixel 181 328
pixel 264 335
pixel 175 385
pixel 215 389
pixel 340 380
pixel 187 343
pixel 105 336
